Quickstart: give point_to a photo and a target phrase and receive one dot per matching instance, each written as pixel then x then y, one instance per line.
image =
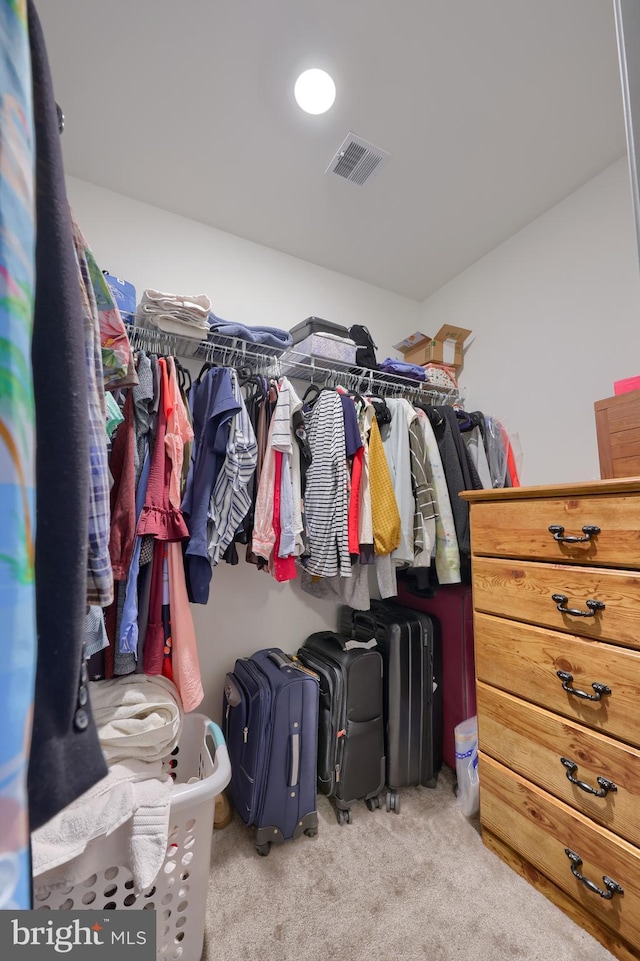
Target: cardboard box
pixel 445 348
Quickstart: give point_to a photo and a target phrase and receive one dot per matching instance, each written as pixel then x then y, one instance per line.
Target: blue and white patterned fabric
pixel 17 451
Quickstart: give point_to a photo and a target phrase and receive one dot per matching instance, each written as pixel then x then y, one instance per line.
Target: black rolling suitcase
pixel 270 717
pixel 411 648
pixel 351 762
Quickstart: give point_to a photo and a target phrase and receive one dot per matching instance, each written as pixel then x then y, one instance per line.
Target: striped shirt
pixel 424 521
pixel 230 499
pixel 100 591
pixel 326 499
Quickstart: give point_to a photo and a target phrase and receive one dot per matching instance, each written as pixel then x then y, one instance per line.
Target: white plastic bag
pixel 466 742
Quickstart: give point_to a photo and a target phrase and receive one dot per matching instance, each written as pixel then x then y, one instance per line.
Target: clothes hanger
pixel 464 421
pixel 208 365
pixel 184 376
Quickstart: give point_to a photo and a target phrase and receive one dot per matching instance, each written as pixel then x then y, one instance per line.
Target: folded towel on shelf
pixel 189 307
pixel 139 721
pixel 267 336
pixel 186 316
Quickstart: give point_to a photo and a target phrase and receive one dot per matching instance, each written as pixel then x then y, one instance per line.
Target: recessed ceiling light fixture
pixel 315 91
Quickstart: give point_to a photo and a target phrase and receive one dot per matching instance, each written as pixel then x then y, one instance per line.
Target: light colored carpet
pixel 418 886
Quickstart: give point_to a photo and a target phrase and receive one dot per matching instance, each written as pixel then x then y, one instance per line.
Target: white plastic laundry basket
pixel 179 892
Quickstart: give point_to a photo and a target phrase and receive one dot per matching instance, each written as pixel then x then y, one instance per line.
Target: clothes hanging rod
pixel 277 362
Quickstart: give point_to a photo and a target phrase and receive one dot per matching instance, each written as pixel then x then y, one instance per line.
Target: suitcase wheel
pixel 263 849
pixel 311 832
pixel 373 803
pixel 344 817
pixel 393 801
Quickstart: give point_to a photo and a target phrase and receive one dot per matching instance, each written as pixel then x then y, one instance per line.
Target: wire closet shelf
pixel 278 362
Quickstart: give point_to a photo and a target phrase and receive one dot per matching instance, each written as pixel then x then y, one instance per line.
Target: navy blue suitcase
pixel 270 715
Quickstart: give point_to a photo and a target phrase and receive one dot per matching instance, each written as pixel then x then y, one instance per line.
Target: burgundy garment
pixel 123 493
pixel 158 517
pixel 452 607
pixel 154 642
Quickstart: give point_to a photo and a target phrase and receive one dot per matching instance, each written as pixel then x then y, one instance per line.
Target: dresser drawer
pixel 521 529
pixel 540 828
pixel 531 741
pixel 524 660
pixel 524 590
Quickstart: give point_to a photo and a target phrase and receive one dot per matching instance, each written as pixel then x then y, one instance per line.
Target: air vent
pixel 356 160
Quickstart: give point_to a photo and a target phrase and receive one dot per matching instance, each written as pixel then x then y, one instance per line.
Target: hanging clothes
pixel 424 521
pixel 99 572
pixel 230 500
pixel 123 493
pixel 457 477
pixel 326 492
pixel 213 405
pixel 160 518
pixel 64 740
pixel 447 558
pixel 385 516
pixel 366 414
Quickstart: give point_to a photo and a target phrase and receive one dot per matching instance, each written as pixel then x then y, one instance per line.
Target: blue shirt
pixel 213 406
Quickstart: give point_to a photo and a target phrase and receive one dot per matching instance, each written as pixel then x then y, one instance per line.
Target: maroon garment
pixel 123 494
pixel 158 517
pixel 154 642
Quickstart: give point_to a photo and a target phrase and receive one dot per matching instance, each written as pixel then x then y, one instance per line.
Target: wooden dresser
pixel 556 589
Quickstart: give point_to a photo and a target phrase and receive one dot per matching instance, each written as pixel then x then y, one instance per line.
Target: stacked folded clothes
pixel 139 721
pixel 392 366
pixel 186 316
pixel 267 336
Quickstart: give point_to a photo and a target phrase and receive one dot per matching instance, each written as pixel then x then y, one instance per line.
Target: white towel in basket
pixel 134 800
pixel 137 716
pixel 139 721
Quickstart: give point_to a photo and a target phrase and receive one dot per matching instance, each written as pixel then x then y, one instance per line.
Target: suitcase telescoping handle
pixel 280 660
pixel 364 620
pixel 295 760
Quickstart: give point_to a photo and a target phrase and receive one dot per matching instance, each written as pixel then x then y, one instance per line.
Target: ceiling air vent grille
pixel 356 160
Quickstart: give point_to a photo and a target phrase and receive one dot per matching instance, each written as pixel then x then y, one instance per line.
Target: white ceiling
pixel 492 110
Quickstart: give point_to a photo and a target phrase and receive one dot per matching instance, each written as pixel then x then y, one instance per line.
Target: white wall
pixel 555 314
pixel 250 284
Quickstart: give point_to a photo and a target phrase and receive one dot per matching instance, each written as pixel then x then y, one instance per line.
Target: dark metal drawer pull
pixel 589 531
pixel 612 886
pixel 594 606
pixel 605 785
pixel 600 689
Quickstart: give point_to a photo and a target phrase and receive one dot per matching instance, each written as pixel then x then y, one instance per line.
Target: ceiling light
pixel 315 91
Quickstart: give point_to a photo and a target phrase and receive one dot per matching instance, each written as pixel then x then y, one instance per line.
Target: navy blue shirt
pixel 213 406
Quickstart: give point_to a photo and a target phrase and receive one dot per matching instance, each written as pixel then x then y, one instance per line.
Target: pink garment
pixel 186 666
pixel 264 536
pixel 179 432
pixel 159 517
pixel 284 568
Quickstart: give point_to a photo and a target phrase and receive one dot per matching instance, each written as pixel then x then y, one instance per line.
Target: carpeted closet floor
pixel 418 886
